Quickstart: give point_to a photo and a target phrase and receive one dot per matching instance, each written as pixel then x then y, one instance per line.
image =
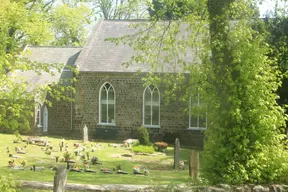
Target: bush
pixel 18 136
pixel 142 149
pixel 143 135
pixel 160 146
pixel 67 156
pixel 7 184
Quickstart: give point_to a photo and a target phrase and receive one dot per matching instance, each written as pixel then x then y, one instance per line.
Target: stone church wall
pixel 129 110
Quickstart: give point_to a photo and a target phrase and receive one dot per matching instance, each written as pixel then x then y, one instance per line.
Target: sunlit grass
pixel 160 167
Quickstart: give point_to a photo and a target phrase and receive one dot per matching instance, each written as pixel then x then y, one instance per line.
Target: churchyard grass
pixel 160 167
pixel 39 190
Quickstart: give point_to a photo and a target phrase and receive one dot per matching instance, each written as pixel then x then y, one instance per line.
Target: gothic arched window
pixel 151 106
pixel 107 104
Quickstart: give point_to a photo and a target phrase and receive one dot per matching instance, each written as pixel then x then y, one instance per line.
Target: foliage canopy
pixel 217 53
pixel 32 22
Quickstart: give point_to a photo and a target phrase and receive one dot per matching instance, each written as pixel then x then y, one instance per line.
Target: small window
pixel 151 106
pixel 197 114
pixel 38 116
pixel 107 104
pixel 45 119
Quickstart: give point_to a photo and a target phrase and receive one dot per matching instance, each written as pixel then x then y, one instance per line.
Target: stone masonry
pixel 98 62
pixel 129 108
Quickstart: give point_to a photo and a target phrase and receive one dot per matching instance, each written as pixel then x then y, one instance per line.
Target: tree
pixel 247 121
pixel 169 10
pixel 34 28
pixel 277 27
pixel 69 24
pixel 236 82
pixel 121 9
pixel 14 33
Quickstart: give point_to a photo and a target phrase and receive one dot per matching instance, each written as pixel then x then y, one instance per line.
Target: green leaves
pixel 7 184
pixel 225 62
pixel 244 82
pixel 124 9
pixel 69 24
pixel 34 23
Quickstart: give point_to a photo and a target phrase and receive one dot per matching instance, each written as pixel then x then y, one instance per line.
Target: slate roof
pixel 49 55
pixel 99 55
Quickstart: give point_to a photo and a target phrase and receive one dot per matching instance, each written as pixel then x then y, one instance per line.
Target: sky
pixel 269 6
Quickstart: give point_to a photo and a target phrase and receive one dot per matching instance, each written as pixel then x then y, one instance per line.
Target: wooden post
pixel 194 164
pixel 176 153
pixel 60 179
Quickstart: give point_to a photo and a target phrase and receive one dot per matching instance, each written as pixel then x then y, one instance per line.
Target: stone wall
pixel 60 119
pixel 159 188
pixel 129 109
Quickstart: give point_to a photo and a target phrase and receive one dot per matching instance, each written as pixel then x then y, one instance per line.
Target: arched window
pixel 151 106
pixel 45 119
pixel 107 104
pixel 197 114
pixel 39 116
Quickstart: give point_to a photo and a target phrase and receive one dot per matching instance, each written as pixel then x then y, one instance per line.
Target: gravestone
pixel 60 179
pixel 62 144
pixel 194 164
pixel 176 153
pixel 85 134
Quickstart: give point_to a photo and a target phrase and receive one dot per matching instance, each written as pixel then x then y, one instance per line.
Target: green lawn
pixel 160 167
pixel 35 190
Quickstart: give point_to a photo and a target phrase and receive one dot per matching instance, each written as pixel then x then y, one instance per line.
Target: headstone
pixel 68 165
pixel 176 153
pixel 85 134
pixel 60 179
pixel 62 144
pixel 194 164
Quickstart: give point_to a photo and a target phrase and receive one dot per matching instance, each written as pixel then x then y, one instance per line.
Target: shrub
pixel 136 144
pixel 160 146
pixel 7 184
pixel 18 136
pixel 67 156
pixel 142 149
pixel 143 135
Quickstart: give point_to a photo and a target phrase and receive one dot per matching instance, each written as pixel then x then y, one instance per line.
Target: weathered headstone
pixel 68 165
pixel 60 179
pixel 62 144
pixel 176 153
pixel 85 134
pixel 194 164
pixel 56 159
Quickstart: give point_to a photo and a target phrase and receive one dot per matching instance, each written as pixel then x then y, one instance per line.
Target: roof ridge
pixel 125 20
pixel 85 51
pixel 53 46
